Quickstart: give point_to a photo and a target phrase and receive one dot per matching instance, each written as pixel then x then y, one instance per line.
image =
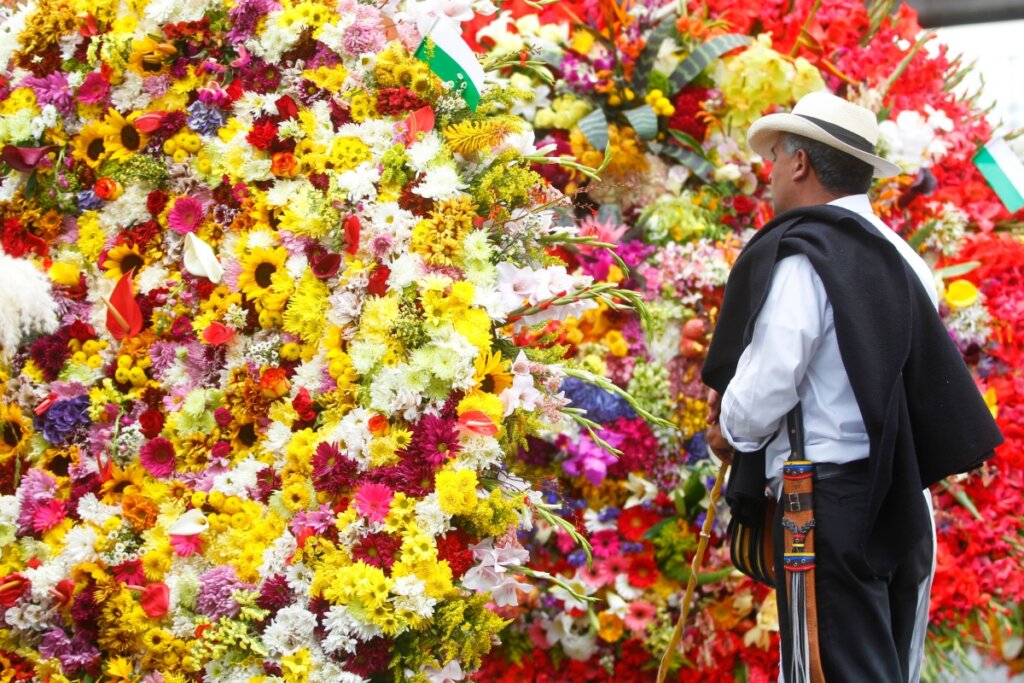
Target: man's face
pixel 781 178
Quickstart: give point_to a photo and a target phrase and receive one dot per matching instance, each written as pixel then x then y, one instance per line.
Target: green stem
pixel 961 497
pixel 618 391
pixel 904 64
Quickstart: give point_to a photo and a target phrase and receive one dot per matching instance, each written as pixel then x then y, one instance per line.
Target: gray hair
pixel 838 172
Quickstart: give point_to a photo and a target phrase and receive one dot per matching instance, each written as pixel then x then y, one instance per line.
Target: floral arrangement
pixel 287 287
pixel 671 96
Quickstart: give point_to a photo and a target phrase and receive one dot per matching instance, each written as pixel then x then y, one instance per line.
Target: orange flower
pixel 284 165
pixel 107 188
pixel 273 383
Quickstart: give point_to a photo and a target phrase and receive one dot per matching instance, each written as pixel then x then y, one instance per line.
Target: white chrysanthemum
pixel 12 23
pixel 430 517
pixel 130 94
pixel 29 617
pixel 310 374
pixel 224 670
pixel 354 433
pixel 239 479
pixel 480 452
pixel 26 304
pixel 345 307
pixel 410 594
pixel 360 184
pixel 345 632
pixel 278 436
pixel 276 555
pixel 283 191
pixel 365 356
pixel 91 510
pixel 128 209
pixel 440 183
pixel 405 270
pixel 291 630
pixel 425 152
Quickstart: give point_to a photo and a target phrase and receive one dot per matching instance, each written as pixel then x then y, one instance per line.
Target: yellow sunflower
pixel 122 481
pixel 122 259
pixel 120 135
pixel 90 146
pixel 15 431
pixel 491 373
pixel 258 270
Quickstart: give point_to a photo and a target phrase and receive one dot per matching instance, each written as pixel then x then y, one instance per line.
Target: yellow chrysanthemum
pixel 456 491
pixel 307 309
pixel 122 259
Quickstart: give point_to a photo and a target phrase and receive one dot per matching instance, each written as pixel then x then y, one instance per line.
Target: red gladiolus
pixel 352 234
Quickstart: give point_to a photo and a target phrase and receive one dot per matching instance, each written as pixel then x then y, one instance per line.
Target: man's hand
pixel 714 407
pixel 719 446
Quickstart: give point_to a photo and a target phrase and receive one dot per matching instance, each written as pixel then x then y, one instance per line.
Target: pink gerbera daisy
pixel 158 457
pixel 640 614
pixel 48 515
pixel 186 215
pixel 374 501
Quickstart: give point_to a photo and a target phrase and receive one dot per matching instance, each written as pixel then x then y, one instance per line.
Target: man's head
pixel 824 149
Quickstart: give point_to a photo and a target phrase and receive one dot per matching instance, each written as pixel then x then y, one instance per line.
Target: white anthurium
pixel 643 491
pixel 191 523
pixel 200 260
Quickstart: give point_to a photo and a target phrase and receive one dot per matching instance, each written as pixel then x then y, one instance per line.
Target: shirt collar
pixel 858 203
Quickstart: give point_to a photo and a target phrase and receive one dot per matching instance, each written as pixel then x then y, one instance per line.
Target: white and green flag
pixel 1004 171
pixel 452 59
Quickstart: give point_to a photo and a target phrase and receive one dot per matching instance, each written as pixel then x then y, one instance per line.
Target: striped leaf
pixel 704 55
pixel 693 161
pixel 644 121
pixel 594 127
pixel 645 64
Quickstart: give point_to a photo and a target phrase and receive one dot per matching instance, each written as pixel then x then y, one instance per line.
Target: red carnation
pixel 152 423
pixel 262 135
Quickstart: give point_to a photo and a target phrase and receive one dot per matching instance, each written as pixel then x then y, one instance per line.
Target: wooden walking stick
pixel 698 560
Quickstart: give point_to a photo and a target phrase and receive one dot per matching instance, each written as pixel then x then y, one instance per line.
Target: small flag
pixel 124 317
pixel 1004 171
pixel 452 59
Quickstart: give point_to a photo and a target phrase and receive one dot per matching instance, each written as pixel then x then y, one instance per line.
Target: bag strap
pixel 795 427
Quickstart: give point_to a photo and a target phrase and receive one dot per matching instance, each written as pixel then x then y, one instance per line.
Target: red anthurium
pixel 124 317
pixel 420 121
pixel 12 587
pixel 155 600
pixel 150 121
pixel 352 234
pixel 478 422
pixel 63 592
pixel 218 333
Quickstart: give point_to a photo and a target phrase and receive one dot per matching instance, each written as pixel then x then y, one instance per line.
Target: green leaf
pixel 957 270
pixel 688 141
pixel 704 55
pixel 693 161
pixel 645 64
pixel 31 186
pixel 653 532
pixel 693 491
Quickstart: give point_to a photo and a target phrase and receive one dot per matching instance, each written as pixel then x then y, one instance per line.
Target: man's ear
pixel 801 165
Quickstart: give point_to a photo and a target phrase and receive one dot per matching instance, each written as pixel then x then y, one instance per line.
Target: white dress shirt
pixel 794 356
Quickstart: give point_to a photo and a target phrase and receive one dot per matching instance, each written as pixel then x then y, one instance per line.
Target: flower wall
pixel 672 97
pixel 269 284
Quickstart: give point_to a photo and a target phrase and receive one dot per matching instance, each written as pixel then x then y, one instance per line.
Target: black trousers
pixel 866 622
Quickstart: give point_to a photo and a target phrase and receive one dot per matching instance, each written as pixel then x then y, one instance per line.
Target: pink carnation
pixel 374 501
pixel 48 515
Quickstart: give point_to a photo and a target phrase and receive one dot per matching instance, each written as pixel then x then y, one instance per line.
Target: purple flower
pixel 216 588
pixel 53 89
pixel 435 439
pixel 364 35
pixel 245 15
pixel 74 654
pixel 63 417
pixel 591 460
pixel 205 119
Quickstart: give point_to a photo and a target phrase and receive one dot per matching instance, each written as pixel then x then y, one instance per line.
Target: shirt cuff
pixel 739 443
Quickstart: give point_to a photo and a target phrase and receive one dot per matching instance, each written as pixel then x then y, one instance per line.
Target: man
pixel 828 309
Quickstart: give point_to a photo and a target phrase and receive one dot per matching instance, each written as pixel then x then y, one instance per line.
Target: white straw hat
pixel 828 119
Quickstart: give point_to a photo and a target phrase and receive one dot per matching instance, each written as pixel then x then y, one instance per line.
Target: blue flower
pixel 601 406
pixel 205 119
pixel 64 417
